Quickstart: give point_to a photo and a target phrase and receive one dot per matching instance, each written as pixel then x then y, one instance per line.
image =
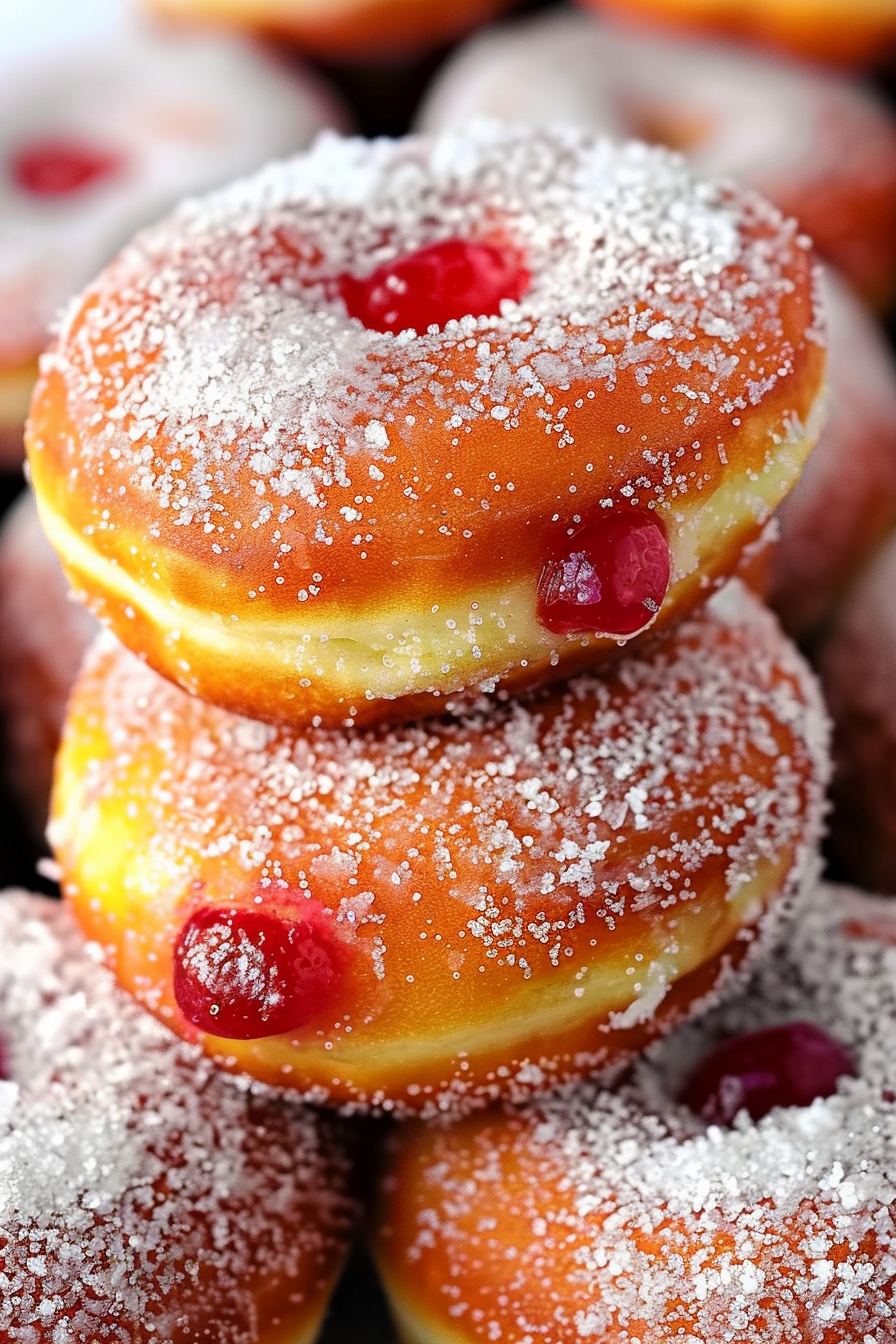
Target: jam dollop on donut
pixel 434 285
pixel 787 1065
pixel 620 1214
pixel 58 167
pixel 427 916
pixel 320 447
pixel 612 574
pixel 143 1194
pixel 246 974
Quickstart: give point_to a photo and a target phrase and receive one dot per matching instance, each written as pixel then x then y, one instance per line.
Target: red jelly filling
pixel 789 1065
pixel 428 288
pixel 57 167
pixel 244 974
pixel 611 575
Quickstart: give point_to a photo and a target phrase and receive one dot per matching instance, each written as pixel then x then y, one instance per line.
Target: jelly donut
pixel 144 1195
pixel 45 636
pixel 737 1185
pixel 842 32
pixel 456 909
pixel 349 30
pixel 845 501
pixel 98 141
pixel 302 507
pixel 822 148
pixel 857 664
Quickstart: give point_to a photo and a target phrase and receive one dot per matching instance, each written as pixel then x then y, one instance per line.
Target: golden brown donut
pixel 144 1196
pixel 303 518
pixel 426 917
pixel 737 1186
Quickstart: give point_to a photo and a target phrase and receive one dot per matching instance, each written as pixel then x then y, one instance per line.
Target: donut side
pixel 488 904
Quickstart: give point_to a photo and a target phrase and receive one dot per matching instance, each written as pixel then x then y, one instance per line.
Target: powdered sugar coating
pixel 819 146
pixel 776 1231
pixel 143 1195
pixel 256 469
pixel 517 894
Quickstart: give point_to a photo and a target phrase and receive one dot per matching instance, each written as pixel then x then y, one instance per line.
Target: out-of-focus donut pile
pixel 439 817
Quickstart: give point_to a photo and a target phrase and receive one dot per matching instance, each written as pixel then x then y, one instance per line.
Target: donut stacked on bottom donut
pixel 143 1195
pixel 458 909
pixel 397 420
pixel 731 1187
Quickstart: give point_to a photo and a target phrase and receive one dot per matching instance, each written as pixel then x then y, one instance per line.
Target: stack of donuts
pixel 440 759
pixel 436 756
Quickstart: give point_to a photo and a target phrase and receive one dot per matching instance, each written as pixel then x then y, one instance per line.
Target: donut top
pixel 218 383
pixel 125 1157
pixel 802 1193
pixel 96 144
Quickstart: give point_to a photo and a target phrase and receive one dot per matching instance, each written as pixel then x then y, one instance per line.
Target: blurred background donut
pixel 104 125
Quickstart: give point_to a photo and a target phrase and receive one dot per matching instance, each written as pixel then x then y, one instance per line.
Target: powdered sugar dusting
pixel 253 359
pixel 126 1160
pixel 776 1231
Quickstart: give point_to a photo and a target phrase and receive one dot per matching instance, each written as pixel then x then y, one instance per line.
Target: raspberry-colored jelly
pixel 610 577
pixel 427 288
pixel 788 1065
pixel 244 974
pixel 59 167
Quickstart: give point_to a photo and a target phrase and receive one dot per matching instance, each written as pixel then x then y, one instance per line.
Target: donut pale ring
pixel 842 32
pixel 353 30
pixel 618 1216
pixel 143 1195
pixel 100 138
pixel 487 904
pixel 303 519
pixel 845 501
pixel 45 636
pixel 819 146
pixel 857 664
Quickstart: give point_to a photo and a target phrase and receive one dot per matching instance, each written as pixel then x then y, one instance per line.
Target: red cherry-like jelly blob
pixel 789 1065
pixel 446 280
pixel 58 167
pixel 244 974
pixel 611 575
